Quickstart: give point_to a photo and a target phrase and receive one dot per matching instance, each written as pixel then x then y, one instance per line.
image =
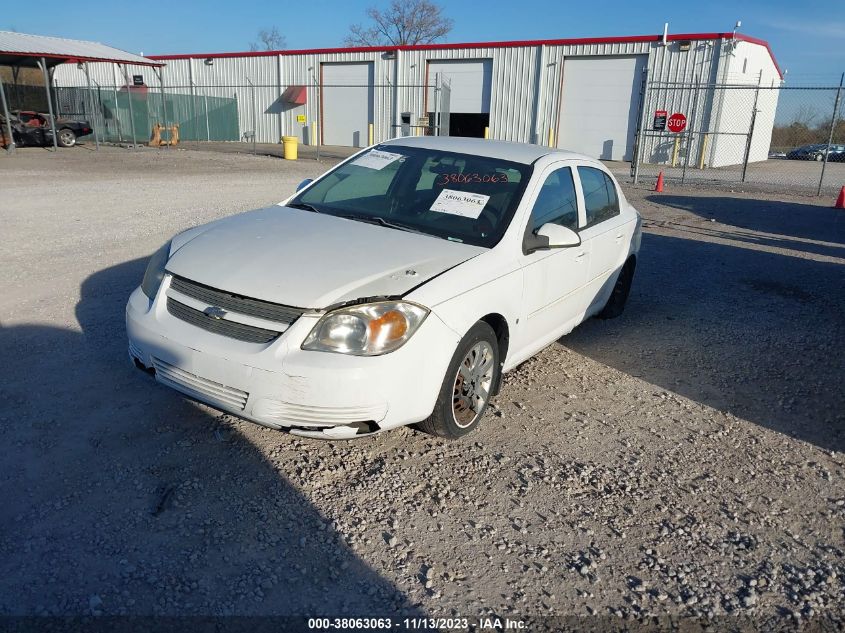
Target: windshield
pixel 457 197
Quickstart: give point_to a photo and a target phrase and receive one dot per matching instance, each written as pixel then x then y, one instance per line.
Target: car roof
pixel 504 150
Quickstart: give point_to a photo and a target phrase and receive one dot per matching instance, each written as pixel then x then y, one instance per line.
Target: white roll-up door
pixel 471 80
pixel 599 105
pixel 347 103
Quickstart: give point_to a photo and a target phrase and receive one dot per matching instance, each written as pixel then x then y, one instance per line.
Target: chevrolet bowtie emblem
pixel 214 312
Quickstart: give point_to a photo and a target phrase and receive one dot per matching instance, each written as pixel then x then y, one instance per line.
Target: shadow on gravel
pixel 805 228
pixel 755 333
pixel 120 496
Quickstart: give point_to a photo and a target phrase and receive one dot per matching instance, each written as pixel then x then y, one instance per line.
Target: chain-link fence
pixel 249 112
pixel 777 136
pixel 121 115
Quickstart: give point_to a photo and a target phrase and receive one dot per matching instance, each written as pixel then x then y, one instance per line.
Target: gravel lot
pixel 685 459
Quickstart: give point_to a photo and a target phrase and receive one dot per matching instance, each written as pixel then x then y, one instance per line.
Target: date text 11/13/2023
pixel 415 624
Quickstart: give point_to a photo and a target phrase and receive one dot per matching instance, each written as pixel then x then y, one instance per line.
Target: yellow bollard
pixel 486 132
pixel 675 150
pixel 703 150
pixel 291 147
pixel 371 134
pixel 551 137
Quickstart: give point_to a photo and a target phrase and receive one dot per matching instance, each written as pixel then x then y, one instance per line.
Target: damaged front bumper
pixel 279 385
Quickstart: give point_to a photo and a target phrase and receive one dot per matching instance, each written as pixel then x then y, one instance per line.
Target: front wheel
pixel 67 138
pixel 468 384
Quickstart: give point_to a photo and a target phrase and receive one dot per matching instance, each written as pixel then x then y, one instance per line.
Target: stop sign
pixel 677 122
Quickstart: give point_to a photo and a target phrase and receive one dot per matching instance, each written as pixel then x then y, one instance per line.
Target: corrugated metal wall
pixel 526 83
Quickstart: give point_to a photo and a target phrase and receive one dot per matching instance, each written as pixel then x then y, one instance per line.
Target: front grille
pixel 199 387
pixel 223 327
pixel 236 303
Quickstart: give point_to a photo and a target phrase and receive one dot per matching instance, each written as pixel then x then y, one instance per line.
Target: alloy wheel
pixel 472 384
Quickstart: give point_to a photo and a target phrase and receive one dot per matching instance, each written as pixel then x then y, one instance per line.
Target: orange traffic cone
pixel 840 201
pixel 659 186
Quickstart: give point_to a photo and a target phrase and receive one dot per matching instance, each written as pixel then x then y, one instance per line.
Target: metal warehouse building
pixel 587 95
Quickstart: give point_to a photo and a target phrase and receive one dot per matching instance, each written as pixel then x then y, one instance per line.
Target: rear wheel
pixel 66 138
pixel 468 385
pixel 616 303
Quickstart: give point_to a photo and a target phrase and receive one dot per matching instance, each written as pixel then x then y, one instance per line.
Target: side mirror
pixel 559 236
pixel 550 236
pixel 304 184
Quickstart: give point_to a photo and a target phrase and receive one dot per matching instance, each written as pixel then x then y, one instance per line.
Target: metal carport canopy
pixel 41 51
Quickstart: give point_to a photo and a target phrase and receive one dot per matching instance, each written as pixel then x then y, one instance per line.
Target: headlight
pixel 366 330
pixel 155 271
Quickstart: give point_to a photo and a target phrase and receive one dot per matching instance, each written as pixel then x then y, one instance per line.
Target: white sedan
pixel 395 289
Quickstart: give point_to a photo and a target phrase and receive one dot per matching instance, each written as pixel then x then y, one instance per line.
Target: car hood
pixel 310 260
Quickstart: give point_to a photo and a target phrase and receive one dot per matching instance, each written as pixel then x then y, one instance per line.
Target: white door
pixel 346 103
pixel 471 81
pixel 606 229
pixel 553 280
pixel 599 105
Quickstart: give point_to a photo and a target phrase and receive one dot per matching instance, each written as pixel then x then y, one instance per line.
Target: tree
pixel 269 40
pixel 805 115
pixel 403 23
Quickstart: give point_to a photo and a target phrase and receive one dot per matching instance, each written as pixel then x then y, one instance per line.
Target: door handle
pixel 580 255
pixel 619 237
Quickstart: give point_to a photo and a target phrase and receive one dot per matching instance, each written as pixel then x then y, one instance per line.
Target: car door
pixel 553 279
pixel 605 230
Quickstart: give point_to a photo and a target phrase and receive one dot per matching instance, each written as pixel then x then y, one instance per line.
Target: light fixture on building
pixel 685 45
pixel 389 55
pixel 209 61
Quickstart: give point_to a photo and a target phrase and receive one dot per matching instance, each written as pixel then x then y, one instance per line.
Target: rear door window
pixel 601 201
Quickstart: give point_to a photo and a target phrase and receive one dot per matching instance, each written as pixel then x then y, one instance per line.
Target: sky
pixel 807 37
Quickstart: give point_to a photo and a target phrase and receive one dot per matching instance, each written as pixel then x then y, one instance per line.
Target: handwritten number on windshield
pixel 452 179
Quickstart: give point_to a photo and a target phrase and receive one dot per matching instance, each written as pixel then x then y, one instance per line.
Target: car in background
pixel 395 289
pixel 816 152
pixel 33 128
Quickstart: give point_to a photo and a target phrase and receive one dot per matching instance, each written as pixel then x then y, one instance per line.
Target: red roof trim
pixel 754 40
pixel 506 44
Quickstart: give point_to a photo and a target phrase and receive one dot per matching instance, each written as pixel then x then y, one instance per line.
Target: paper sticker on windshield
pixel 465 204
pixel 376 159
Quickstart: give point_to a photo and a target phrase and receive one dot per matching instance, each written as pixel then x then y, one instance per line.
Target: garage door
pixel 471 81
pixel 599 106
pixel 347 103
pixel 469 103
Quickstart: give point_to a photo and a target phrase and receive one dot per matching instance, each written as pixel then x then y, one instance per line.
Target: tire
pixel 818 158
pixel 616 303
pixel 66 137
pixel 478 355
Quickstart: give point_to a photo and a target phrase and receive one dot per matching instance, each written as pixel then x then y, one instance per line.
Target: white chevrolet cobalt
pixel 395 289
